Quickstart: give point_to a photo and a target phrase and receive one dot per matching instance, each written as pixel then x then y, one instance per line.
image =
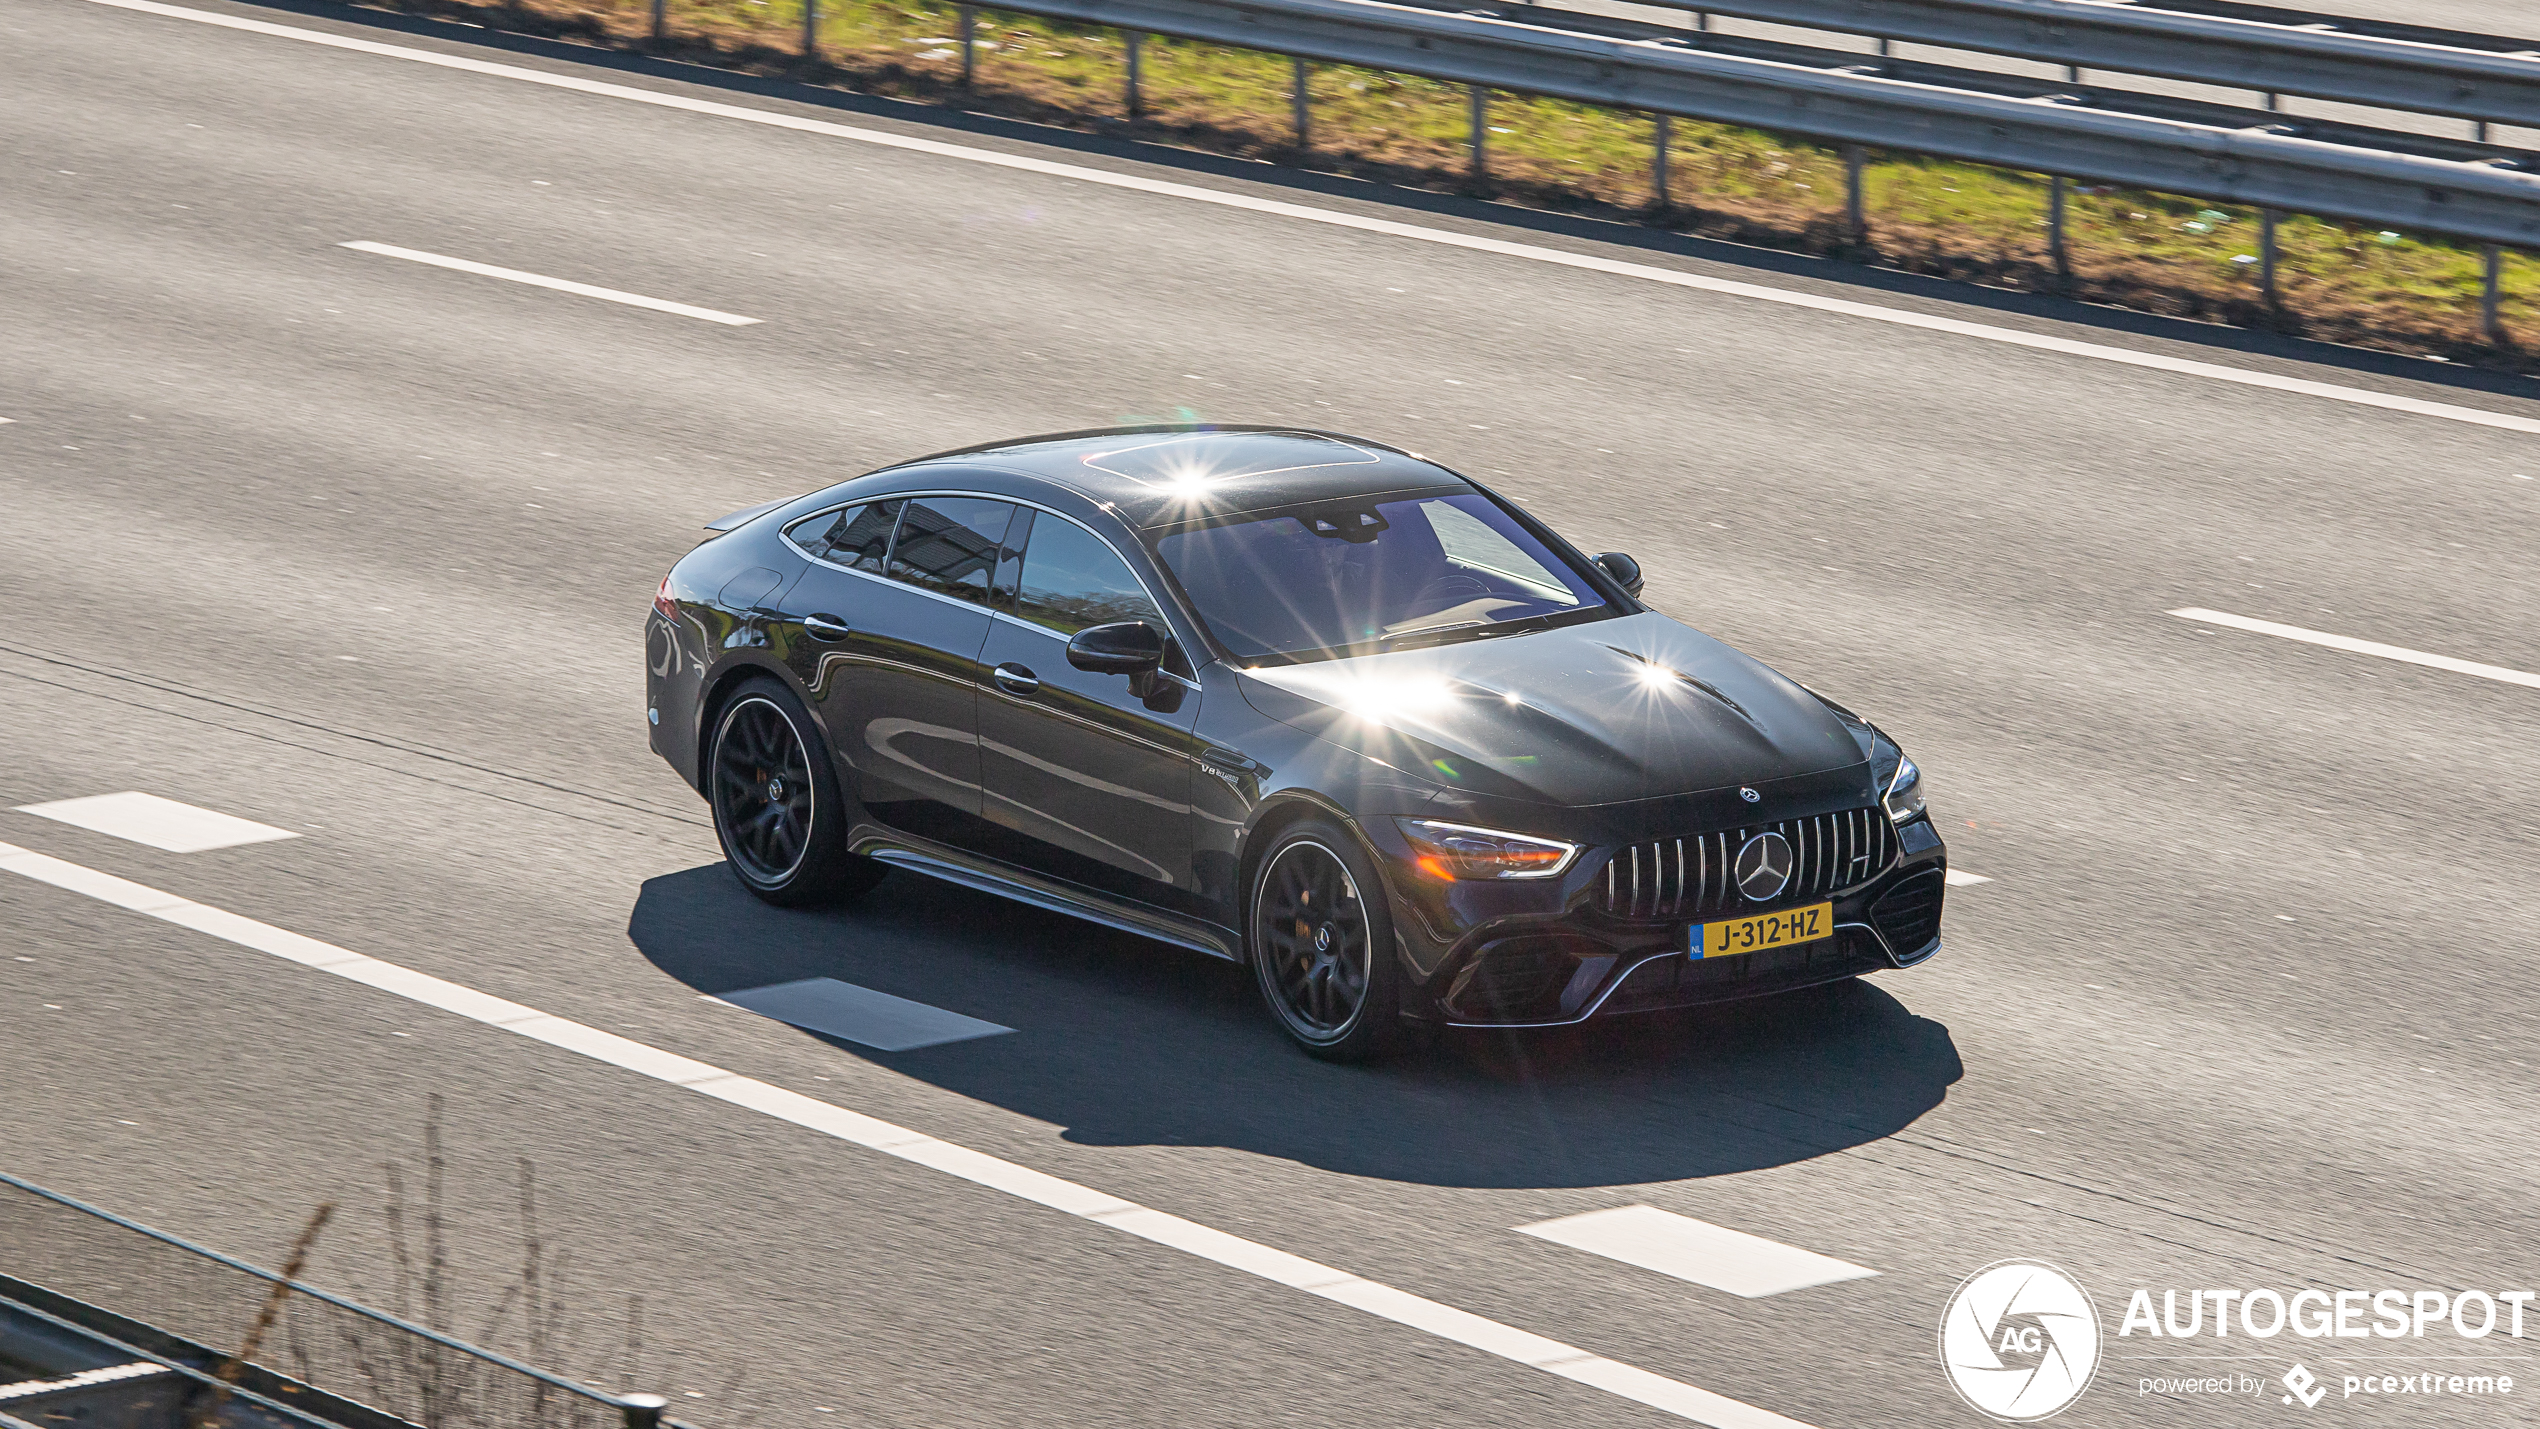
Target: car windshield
pixel 1353 577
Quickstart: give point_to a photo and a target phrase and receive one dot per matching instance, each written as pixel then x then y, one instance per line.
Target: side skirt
pixel 902 850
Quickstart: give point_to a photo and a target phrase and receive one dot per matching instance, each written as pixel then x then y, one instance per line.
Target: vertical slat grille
pixel 1666 879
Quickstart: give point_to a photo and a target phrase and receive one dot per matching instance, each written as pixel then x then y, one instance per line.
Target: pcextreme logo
pixel 2019 1341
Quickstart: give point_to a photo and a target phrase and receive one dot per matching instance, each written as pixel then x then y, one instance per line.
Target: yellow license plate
pixel 1729 938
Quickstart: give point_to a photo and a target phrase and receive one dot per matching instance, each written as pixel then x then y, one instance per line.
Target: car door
pixel 890 618
pixel 1094 778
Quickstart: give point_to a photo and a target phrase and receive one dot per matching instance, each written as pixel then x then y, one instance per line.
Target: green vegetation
pixel 2155 252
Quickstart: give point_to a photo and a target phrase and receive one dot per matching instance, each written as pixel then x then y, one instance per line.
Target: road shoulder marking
pixel 540 280
pixel 1847 307
pixel 2360 647
pixel 1748 1266
pixel 1523 1347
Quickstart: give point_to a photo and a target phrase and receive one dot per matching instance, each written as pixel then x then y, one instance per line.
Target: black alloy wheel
pixel 1322 951
pixel 776 804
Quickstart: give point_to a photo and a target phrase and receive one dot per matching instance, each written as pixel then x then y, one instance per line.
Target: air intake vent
pixel 1694 876
pixel 1908 915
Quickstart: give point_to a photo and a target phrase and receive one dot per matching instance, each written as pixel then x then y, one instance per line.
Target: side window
pixel 950 544
pixel 1072 580
pixel 857 536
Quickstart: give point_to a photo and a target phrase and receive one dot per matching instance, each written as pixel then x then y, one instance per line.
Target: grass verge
pixel 2129 248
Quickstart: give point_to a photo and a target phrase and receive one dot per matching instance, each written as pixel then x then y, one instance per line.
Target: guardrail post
pixel 1658 163
pixel 661 20
pixel 1479 99
pixel 2266 258
pixel 969 45
pixel 2055 249
pixel 2491 298
pixel 811 29
pixel 1854 216
pixel 1137 48
pixel 1302 103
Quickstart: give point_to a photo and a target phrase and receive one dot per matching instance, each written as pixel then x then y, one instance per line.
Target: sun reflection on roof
pixel 1191 464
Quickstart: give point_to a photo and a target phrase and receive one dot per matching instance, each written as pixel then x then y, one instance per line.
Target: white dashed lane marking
pixel 860 1014
pixel 2353 646
pixel 1524 1347
pixel 160 823
pixel 1956 879
pixel 538 280
pixel 1744 1265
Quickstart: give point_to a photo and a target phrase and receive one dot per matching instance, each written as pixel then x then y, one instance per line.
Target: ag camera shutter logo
pixel 2019 1341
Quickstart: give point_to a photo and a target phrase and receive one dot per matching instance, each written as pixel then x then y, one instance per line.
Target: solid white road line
pixel 160 823
pixel 1741 1264
pixel 1383 1301
pixel 2069 347
pixel 859 1014
pixel 561 285
pixel 2362 647
pixel 1955 879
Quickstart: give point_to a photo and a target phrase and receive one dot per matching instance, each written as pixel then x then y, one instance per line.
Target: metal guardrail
pixel 2334 57
pixel 2482 202
pixel 98 1261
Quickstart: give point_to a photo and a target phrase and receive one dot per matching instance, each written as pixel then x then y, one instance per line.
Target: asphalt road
pixel 360 548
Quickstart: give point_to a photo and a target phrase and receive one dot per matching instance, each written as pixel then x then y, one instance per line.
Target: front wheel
pixel 777 810
pixel 1322 945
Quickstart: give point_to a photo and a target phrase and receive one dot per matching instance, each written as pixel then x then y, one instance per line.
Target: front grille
pixel 1695 875
pixel 1908 915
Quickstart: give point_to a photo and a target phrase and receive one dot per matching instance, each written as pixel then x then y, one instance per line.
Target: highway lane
pixel 2199 1114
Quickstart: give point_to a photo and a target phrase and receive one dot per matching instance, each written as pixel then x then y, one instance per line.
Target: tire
pixel 777 809
pixel 1323 953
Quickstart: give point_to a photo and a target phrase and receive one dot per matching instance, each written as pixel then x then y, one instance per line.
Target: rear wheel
pixel 777 810
pixel 1322 945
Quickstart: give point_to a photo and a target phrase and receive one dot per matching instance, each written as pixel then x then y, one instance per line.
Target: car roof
pixel 1170 475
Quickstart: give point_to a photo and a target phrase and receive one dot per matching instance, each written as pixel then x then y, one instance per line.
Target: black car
pixel 1299 700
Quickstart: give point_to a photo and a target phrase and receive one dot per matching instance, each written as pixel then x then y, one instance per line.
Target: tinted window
pixel 1362 576
pixel 949 544
pixel 858 536
pixel 1072 580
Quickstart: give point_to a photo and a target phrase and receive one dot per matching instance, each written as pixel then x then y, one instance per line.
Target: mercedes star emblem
pixel 1763 867
pixel 1750 796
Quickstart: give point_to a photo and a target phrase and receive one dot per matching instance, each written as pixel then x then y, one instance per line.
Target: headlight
pixel 1462 851
pixel 1905 791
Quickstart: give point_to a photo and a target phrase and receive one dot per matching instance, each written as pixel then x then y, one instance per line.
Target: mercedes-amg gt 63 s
pixel 1299 700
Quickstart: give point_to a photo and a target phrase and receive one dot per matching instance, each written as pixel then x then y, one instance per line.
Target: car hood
pixel 1604 712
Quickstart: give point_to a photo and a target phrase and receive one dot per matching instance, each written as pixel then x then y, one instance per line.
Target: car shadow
pixel 1126 1042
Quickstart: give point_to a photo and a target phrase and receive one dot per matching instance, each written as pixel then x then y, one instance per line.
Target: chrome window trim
pixel 786 534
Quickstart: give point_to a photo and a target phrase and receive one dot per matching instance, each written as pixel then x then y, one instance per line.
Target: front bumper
pixel 1543 969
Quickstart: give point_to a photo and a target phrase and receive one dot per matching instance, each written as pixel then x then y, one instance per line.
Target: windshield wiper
pixel 1390 641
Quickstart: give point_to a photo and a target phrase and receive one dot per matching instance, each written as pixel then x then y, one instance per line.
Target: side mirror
pixel 1126 647
pixel 1624 570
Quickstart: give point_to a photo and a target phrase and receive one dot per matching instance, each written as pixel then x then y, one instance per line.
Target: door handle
pixel 1015 679
pixel 826 627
